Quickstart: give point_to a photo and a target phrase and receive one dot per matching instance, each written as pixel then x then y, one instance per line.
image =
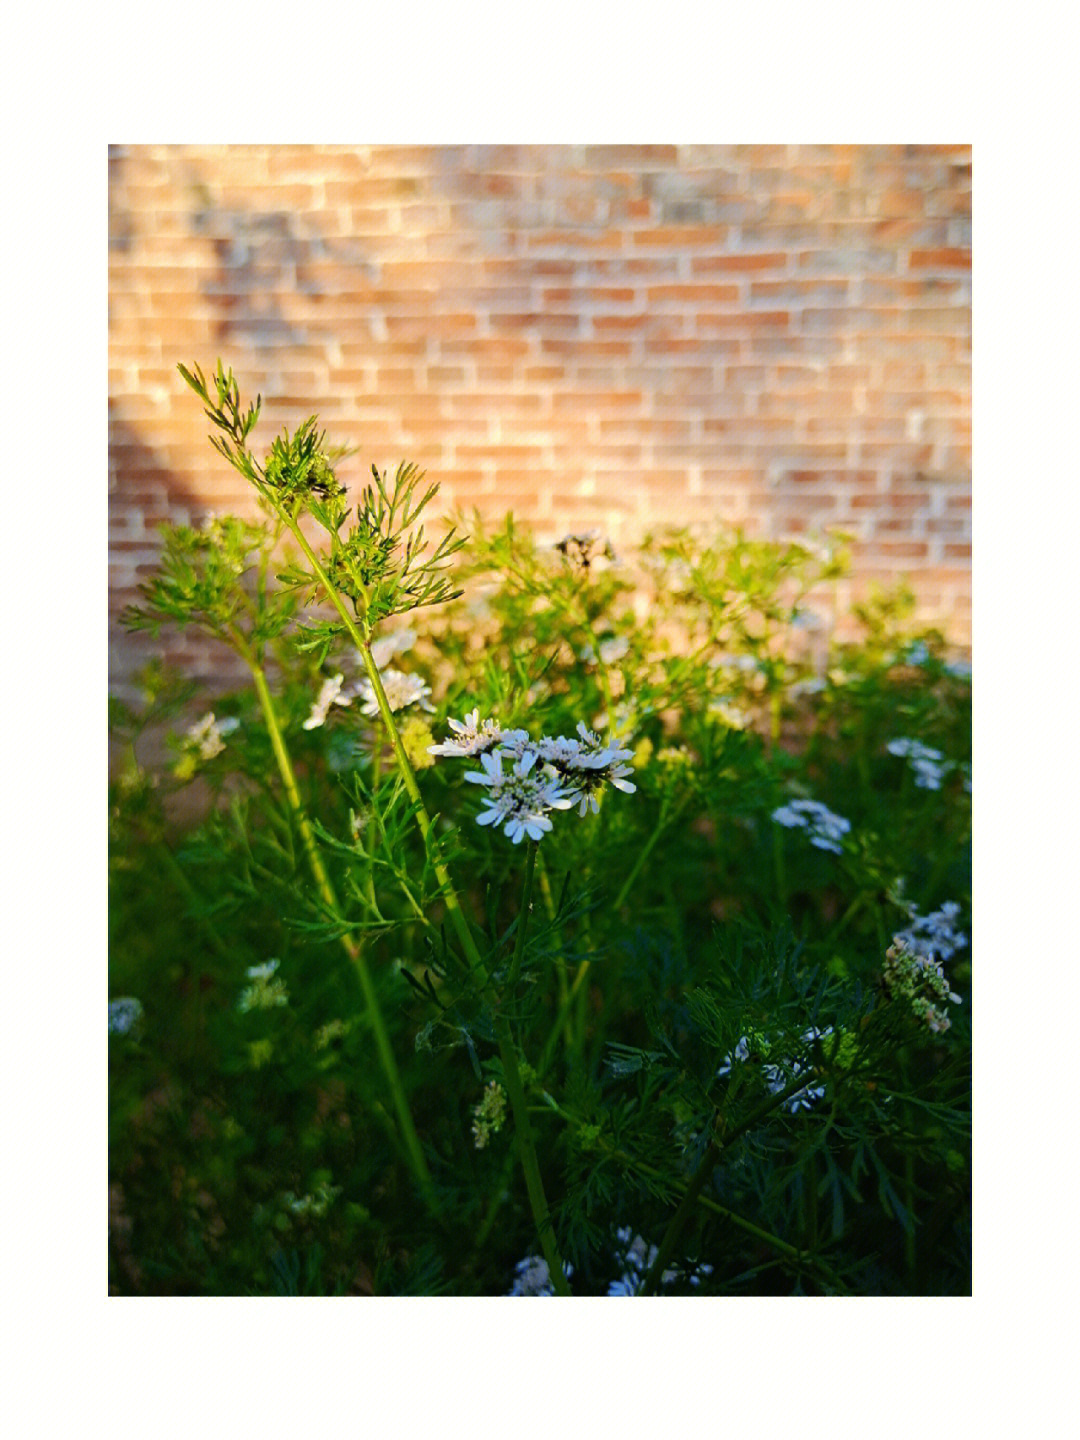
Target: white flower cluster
pixel 934 935
pixel 635 1259
pixel 611 650
pixel 778 1077
pixel 266 992
pixel 124 1015
pixel 534 1277
pixel 929 766
pixel 207 736
pixel 401 691
pixel 826 829
pixel 526 779
pixel 919 980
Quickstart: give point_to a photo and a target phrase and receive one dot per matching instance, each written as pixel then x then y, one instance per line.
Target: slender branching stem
pixel 408 776
pixel 702 1174
pixel 527 1153
pixel 352 949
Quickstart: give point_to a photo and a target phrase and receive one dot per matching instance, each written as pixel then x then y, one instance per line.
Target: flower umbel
pixel 124 1015
pixel 826 829
pixel 489 1114
pixel 206 736
pixel 330 694
pixel 920 982
pixel 929 766
pixel 401 691
pixel 518 799
pixel 472 737
pixel 266 991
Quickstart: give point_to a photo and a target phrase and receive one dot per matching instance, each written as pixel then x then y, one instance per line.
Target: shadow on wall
pixel 275 292
pixel 143 494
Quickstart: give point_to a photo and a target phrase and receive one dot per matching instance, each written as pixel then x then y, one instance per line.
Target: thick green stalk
pixel 354 952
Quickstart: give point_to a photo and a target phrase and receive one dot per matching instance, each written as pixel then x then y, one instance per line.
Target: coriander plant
pixel 541 920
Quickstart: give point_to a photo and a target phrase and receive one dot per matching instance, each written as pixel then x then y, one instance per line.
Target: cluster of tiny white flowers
pixel 124 1015
pixel 329 694
pixel 207 737
pixel 401 690
pixel 929 766
pixel 919 980
pixel 633 1257
pixel 553 773
pixel 826 829
pixel 611 650
pixel 470 737
pixel 266 991
pixel 935 934
pixel 636 1258
pixel 384 649
pixel 778 1077
pixel 736 1056
pixel 533 1277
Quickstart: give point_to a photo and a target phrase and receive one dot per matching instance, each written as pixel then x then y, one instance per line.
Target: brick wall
pixel 778 336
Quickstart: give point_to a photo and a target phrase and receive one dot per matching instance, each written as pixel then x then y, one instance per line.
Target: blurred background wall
pixel 616 336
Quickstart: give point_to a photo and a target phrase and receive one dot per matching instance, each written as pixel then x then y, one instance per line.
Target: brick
pixel 563 326
pixel 719 264
pixel 692 294
pixel 681 236
pixel 939 259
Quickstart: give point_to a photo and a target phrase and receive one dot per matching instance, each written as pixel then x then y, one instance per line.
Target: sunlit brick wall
pixel 775 336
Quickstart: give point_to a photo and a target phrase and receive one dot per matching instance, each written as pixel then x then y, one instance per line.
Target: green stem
pixel 635 870
pixel 527 1154
pixel 354 951
pixel 523 919
pixel 515 1089
pixel 561 1018
pixel 423 820
pixel 783 1247
pixel 702 1174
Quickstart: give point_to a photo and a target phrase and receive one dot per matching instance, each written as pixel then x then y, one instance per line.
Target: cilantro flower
pixel 825 828
pixel 930 766
pixel 518 799
pixel 401 691
pixel 470 737
pixel 330 694
pixel 206 736
pixel 124 1015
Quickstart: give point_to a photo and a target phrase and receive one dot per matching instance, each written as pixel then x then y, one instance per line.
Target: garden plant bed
pixel 557 921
